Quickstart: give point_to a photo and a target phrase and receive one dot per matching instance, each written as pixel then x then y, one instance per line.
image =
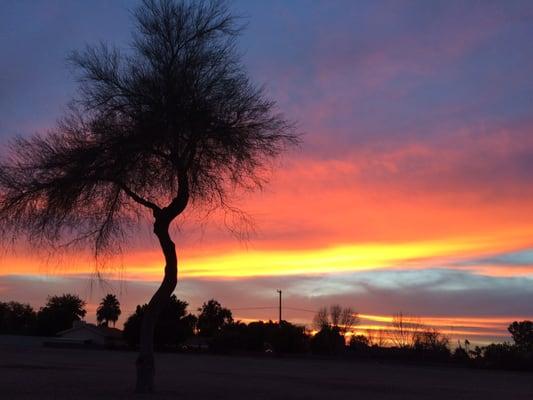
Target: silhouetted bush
pixel 503 355
pixel 327 341
pixel 432 345
pixel 287 338
pixel 460 355
pixel 257 337
pixel 359 344
pixel 173 326
pixel 261 337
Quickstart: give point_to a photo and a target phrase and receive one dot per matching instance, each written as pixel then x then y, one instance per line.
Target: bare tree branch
pixel 173 122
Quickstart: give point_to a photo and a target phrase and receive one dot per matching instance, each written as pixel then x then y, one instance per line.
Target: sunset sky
pixel 411 192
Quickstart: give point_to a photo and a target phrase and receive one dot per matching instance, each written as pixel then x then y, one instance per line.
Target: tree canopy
pixel 108 310
pixel 337 317
pixel 59 313
pixel 171 121
pixel 17 318
pixel 522 333
pixel 174 324
pixel 213 317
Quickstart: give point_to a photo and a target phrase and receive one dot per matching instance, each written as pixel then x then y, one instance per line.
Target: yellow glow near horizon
pixel 336 259
pixel 147 265
pixel 445 321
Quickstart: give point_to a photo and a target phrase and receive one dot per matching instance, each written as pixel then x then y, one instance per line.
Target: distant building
pixel 87 334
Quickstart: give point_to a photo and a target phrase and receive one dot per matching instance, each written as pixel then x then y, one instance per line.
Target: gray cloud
pixel 429 292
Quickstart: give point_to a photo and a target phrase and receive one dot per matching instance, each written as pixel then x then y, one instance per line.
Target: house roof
pixel 97 330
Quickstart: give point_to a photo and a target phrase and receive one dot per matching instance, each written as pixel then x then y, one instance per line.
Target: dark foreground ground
pixel 34 372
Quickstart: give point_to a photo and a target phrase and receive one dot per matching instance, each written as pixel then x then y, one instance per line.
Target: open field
pixel 34 372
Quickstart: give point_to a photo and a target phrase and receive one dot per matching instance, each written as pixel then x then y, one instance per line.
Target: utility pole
pixel 279 291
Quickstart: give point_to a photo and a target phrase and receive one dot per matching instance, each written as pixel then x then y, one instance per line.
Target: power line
pixel 246 308
pixel 301 309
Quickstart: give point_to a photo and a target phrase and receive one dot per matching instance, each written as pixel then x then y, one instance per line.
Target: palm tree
pixel 108 310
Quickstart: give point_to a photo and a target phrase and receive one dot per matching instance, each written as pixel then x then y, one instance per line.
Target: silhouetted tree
pixel 213 317
pixel 174 325
pixel 461 353
pixel 228 337
pixel 132 326
pixel 17 318
pixel 173 121
pixel 287 338
pixel 108 310
pixel 348 319
pixel 522 333
pixel 335 312
pixel 261 336
pixel 404 330
pixel 503 355
pixel 321 319
pixel 59 313
pixel 343 319
pixel 432 343
pixel 257 336
pixel 280 338
pixel 377 337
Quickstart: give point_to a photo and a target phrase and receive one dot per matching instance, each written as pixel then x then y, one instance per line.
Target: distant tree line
pixel 214 329
pixel 406 340
pixel 409 340
pixel 517 355
pixel 58 314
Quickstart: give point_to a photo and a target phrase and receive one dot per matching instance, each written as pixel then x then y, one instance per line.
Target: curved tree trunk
pixel 145 360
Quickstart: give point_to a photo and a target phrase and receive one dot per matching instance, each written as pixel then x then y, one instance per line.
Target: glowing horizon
pixel 147 265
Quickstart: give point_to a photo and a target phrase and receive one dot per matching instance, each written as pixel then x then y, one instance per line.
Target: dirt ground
pixel 34 372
